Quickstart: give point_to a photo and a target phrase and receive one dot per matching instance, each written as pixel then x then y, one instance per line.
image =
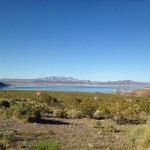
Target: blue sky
pixel 86 39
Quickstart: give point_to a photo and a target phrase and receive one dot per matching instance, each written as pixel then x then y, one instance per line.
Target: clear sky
pixel 98 40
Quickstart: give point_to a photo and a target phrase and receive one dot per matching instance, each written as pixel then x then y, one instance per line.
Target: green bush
pixel 134 135
pixel 24 111
pixel 9 136
pixel 75 114
pixel 110 128
pixel 34 116
pixel 144 140
pixel 105 112
pixel 144 104
pixel 140 137
pixel 6 139
pixel 96 124
pixel 9 112
pixel 21 111
pixel 47 98
pixel 45 145
pixel 61 113
pixel 88 107
pixel 5 104
pixel 120 119
pixel 127 113
pixel 4 144
pixel 128 119
pixel 132 114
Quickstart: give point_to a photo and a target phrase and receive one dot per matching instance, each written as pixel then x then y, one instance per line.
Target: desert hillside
pixel 141 93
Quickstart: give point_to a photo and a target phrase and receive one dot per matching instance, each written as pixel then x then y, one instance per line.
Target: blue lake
pixel 102 89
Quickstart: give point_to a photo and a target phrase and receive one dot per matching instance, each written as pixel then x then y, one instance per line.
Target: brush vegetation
pixel 122 109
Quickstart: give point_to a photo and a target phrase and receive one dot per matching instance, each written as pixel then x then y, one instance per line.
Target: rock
pixel 108 148
pixel 116 136
pixel 148 121
pixel 101 136
pixel 97 114
pixel 13 132
pixel 99 133
pixel 90 145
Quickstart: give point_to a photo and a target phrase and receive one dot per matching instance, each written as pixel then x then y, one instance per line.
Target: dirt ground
pixel 71 134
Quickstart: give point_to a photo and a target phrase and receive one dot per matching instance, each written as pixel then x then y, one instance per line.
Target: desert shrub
pixel 144 140
pixel 88 107
pixel 96 124
pixel 13 103
pixel 47 98
pixel 17 110
pixel 3 144
pixel 55 100
pixel 136 133
pixel 6 139
pixel 110 128
pixel 127 113
pixel 105 112
pixel 61 113
pixel 24 111
pixel 120 119
pixel 144 104
pixel 9 136
pixel 9 112
pixel 128 119
pixel 140 137
pixel 45 145
pixel 76 103
pixel 5 104
pixel 32 113
pixel 75 114
pixel 132 116
pixel 46 109
pixel 34 116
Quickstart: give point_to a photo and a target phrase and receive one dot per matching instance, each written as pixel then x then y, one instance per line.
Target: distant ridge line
pixel 56 80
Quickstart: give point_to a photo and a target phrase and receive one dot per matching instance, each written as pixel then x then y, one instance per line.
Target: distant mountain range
pixel 55 80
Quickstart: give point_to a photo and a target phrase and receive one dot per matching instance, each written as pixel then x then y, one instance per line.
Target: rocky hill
pixel 2 84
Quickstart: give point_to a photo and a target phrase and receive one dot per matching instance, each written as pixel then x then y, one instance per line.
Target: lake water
pixel 101 89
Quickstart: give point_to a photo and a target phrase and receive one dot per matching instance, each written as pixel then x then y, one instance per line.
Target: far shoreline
pixel 73 85
pixel 76 88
